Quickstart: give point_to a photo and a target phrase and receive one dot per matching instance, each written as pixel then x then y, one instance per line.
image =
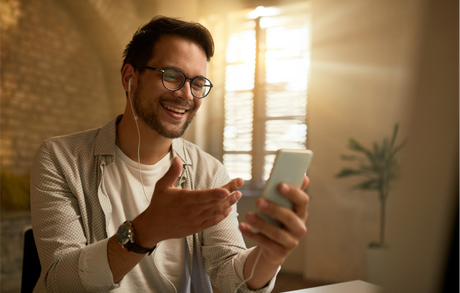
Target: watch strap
pixel 134 247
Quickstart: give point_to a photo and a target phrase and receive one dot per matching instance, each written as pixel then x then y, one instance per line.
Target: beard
pixel 148 111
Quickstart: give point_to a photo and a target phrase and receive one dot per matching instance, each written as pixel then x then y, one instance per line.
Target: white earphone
pixel 139 141
pixel 130 100
pixel 140 174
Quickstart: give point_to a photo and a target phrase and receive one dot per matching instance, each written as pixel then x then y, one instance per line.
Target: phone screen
pixel 290 166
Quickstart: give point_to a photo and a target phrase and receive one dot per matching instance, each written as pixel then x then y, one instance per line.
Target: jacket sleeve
pixel 225 252
pixel 68 263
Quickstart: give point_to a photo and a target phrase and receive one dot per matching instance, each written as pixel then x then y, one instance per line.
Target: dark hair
pixel 140 50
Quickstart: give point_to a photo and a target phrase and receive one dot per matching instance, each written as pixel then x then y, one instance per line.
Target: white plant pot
pixel 375 268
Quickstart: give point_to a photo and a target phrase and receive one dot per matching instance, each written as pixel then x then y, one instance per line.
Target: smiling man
pixel 132 207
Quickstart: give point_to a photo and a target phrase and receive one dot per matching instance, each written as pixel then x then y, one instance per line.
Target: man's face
pixel 169 113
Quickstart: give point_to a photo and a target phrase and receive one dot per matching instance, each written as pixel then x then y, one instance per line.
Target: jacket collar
pixel 107 137
pixel 178 149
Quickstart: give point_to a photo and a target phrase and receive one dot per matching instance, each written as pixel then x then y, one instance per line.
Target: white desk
pixel 346 287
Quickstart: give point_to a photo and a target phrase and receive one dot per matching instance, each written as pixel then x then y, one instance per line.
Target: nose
pixel 185 92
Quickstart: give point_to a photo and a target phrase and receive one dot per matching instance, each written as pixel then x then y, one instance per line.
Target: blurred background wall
pixel 362 72
pixel 372 64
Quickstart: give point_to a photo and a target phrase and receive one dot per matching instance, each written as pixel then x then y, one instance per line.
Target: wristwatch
pixel 125 236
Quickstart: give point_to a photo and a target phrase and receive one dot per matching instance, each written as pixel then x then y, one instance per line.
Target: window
pixel 265 102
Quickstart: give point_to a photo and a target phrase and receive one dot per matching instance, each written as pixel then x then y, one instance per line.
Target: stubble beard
pixel 148 113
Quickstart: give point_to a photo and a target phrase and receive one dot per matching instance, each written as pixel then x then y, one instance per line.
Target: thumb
pixel 171 176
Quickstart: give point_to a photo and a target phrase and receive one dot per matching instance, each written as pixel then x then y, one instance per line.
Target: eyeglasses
pixel 174 79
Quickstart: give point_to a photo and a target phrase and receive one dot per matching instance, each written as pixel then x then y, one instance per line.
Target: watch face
pixel 123 234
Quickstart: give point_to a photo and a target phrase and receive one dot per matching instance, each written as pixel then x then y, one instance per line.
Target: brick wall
pixel 13 227
pixel 52 81
pixel 60 62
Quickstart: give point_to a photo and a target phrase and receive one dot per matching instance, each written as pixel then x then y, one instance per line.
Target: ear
pixel 127 73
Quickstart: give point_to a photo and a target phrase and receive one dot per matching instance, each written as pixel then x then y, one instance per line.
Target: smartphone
pixel 290 166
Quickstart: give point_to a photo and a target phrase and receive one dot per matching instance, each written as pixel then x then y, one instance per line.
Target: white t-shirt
pixel 122 184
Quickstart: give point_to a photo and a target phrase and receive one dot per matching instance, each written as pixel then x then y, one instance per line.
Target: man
pixel 131 206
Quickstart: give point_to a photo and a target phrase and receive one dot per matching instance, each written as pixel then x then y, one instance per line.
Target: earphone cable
pixel 252 271
pixel 138 144
pixel 185 153
pixel 154 252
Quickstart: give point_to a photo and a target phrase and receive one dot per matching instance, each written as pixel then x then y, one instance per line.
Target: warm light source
pixel 277 104
pixel 10 12
pixel 261 11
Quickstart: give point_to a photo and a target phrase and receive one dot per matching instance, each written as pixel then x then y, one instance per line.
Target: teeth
pixel 174 109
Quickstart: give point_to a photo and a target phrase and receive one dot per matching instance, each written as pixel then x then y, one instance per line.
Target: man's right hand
pixel 176 213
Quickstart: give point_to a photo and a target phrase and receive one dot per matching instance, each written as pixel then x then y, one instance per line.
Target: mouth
pixel 175 110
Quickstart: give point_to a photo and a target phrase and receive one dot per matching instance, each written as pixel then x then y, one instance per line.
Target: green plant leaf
pixel 345 172
pixel 372 157
pixel 386 149
pixel 376 150
pixel 348 158
pixel 395 133
pixel 356 146
pixel 399 147
pixel 372 169
pixel 379 164
pixel 372 184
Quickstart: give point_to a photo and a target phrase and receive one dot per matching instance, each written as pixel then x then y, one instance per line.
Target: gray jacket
pixel 70 216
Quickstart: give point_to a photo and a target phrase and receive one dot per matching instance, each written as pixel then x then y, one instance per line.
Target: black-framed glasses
pixel 174 79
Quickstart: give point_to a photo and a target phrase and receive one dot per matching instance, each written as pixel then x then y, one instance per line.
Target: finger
pixel 274 233
pixel 291 221
pixel 263 241
pixel 233 185
pixel 171 176
pixel 208 197
pixel 216 210
pixel 299 199
pixel 215 220
pixel 305 183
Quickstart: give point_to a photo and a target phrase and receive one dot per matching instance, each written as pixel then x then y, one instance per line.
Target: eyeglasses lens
pixel 200 86
pixel 174 79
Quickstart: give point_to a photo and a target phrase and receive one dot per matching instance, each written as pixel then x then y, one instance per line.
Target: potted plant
pixel 380 169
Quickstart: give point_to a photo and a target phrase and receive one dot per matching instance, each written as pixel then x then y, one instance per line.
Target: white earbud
pixel 139 141
pixel 129 96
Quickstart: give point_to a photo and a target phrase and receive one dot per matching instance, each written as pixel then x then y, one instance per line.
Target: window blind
pixel 283 60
